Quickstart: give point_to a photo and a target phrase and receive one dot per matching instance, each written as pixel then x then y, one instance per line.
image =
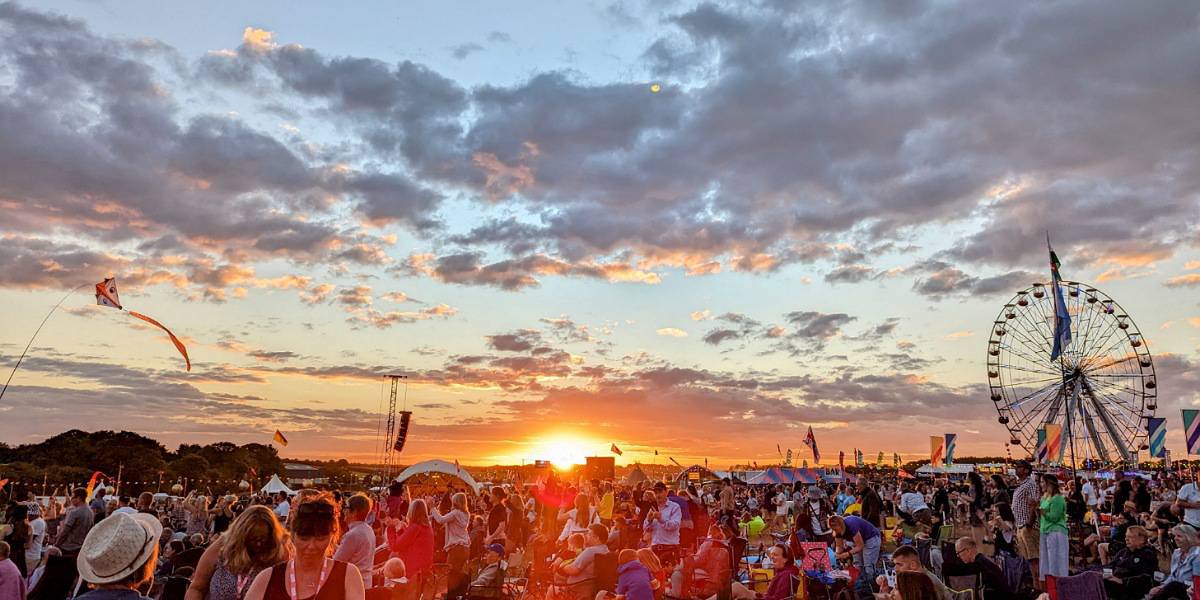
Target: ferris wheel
pixel 1102 388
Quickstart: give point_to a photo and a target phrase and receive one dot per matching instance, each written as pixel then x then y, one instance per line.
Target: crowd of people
pixel 886 538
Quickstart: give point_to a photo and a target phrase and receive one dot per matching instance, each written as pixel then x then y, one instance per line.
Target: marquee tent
pixel 438 475
pixel 635 477
pixel 276 485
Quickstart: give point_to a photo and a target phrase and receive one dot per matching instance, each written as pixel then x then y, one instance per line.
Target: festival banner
pixel 879 459
pixel 951 439
pixel 937 450
pixel 1039 455
pixel 1050 446
pixel 1191 428
pixel 1157 428
pixel 858 458
pixel 896 458
pixel 842 459
pixel 788 461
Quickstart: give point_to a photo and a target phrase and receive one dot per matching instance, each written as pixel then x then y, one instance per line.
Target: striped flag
pixel 937 450
pixel 879 459
pixel 279 439
pixel 896 458
pixel 1157 428
pixel 616 450
pixel 951 438
pixel 1191 428
pixel 788 462
pixel 1062 317
pixel 1050 446
pixel 858 458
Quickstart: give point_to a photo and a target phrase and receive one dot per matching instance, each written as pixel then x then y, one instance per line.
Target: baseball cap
pixel 497 548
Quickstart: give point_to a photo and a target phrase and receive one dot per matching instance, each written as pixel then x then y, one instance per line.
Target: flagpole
pixel 1072 403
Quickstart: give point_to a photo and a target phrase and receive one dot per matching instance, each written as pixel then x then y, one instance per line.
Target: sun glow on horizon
pixel 564 450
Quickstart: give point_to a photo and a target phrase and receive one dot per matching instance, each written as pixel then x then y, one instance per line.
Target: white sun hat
pixel 118 546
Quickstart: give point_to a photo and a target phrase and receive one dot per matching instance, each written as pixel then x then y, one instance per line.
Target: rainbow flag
pixel 1191 428
pixel 1157 428
pixel 937 450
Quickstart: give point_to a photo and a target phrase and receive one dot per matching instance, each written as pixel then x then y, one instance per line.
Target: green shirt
pixel 1054 514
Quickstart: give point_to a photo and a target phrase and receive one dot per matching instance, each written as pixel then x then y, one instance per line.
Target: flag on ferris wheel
pixel 1062 318
pixel 1157 429
pixel 1191 428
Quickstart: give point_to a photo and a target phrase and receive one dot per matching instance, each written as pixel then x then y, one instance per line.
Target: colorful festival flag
pixel 1191 428
pixel 842 459
pixel 1157 428
pixel 1050 447
pixel 788 461
pixel 951 438
pixel 811 441
pixel 879 459
pixel 1062 318
pixel 937 450
pixel 896 458
pixel 3 482
pixel 106 295
pixel 616 450
pixel 858 458
pixel 91 485
pixel 279 439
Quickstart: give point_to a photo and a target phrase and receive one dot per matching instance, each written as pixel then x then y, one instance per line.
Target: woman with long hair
pixel 458 543
pixel 254 541
pixel 411 540
pixel 915 586
pixel 1003 529
pixel 19 537
pixel 578 518
pixel 310 573
pixel 1185 564
pixel 1054 556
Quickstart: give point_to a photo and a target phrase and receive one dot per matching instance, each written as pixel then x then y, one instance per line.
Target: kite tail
pixel 174 340
pixel 35 334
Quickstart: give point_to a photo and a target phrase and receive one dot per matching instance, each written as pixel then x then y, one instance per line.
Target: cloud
pixel 1186 280
pixel 941 280
pixel 958 335
pixel 701 315
pixel 671 332
pixel 517 274
pixel 521 341
pixel 462 51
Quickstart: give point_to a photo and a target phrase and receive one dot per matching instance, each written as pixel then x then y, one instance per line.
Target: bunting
pixel 1157 429
pixel 1191 428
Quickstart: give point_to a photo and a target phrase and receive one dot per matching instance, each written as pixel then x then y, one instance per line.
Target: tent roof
pixel 636 476
pixel 955 469
pixel 276 485
pixel 438 467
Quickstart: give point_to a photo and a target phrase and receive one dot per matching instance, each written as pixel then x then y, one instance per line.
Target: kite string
pixel 35 334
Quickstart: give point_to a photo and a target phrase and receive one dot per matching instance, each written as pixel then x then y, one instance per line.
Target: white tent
pixel 431 471
pixel 954 469
pixel 276 485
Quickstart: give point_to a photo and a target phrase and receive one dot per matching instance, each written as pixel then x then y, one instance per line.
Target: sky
pixel 812 223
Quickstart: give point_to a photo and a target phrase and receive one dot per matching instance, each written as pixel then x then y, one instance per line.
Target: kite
pixel 106 295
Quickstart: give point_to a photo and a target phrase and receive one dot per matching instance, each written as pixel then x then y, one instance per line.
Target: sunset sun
pixel 563 450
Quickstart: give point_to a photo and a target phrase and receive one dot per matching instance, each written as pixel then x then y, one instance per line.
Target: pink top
pixel 414 546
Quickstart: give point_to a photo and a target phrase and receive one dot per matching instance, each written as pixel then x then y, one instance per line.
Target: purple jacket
pixel 633 581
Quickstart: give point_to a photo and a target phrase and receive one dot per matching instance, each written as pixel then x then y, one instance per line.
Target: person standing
pixel 1054 550
pixel 310 573
pixel 37 537
pixel 727 503
pixel 357 546
pixel 19 536
pixel 12 583
pixel 255 541
pixel 866 541
pixel 662 525
pixel 458 543
pixel 497 520
pixel 411 540
pixel 1025 505
pixel 283 507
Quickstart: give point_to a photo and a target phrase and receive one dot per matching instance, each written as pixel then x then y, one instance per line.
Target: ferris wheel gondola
pixel 1100 390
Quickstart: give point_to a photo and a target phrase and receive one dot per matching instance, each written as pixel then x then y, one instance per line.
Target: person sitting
pixel 1133 567
pixel 908 560
pixel 1185 563
pixel 633 579
pixel 490 580
pixel 971 563
pixel 707 566
pixel 783 583
pixel 394 573
pixel 576 576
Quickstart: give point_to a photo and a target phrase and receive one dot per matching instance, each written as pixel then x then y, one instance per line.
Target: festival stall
pixel 436 476
pixel 276 485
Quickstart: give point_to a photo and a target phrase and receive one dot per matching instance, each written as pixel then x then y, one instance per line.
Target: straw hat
pixel 118 546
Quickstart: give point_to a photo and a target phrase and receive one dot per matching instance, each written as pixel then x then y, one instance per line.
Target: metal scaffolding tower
pixel 389 458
